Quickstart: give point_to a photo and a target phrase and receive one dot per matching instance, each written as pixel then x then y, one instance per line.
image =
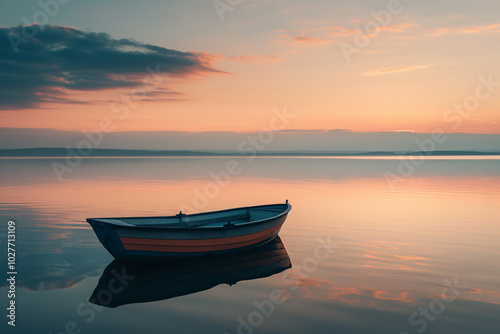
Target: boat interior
pixel 209 219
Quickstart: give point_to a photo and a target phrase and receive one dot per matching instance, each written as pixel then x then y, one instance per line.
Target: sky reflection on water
pixel 396 248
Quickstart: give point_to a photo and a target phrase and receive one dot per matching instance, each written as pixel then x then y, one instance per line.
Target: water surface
pixel 391 249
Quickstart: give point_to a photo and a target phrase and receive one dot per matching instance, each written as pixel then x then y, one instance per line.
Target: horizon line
pixel 295 131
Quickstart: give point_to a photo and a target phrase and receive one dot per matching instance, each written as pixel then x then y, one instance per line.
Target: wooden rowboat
pixel 216 232
pixel 146 283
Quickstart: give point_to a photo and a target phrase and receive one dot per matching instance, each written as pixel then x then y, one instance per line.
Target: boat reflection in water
pixel 125 283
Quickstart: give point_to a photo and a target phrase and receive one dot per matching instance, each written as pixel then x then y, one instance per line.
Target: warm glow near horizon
pixel 333 65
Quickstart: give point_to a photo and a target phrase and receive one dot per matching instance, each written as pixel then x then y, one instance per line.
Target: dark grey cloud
pixel 57 59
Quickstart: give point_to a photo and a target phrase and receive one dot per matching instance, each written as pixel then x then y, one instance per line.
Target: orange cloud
pixel 339 31
pixel 397 27
pixel 328 34
pixel 305 38
pixel 487 28
pixel 483 28
pixel 256 59
pixel 399 69
pixel 440 31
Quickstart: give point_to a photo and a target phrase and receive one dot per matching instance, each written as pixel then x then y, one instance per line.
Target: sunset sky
pixel 413 65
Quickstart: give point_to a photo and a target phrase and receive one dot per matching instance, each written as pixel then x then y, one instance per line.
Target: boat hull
pixel 142 243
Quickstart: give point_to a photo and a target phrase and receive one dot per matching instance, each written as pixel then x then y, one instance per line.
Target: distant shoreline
pixel 96 152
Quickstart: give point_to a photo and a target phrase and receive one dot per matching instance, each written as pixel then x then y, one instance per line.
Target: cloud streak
pixel 329 34
pixel 486 28
pixel 61 59
pixel 399 69
pixel 256 59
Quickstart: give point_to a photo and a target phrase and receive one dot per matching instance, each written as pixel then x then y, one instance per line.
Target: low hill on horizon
pixel 98 152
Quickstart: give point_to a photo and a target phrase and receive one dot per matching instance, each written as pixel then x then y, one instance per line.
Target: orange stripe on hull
pixel 197 242
pixel 188 247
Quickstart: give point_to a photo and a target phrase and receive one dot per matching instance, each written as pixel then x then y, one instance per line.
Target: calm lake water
pixel 419 254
